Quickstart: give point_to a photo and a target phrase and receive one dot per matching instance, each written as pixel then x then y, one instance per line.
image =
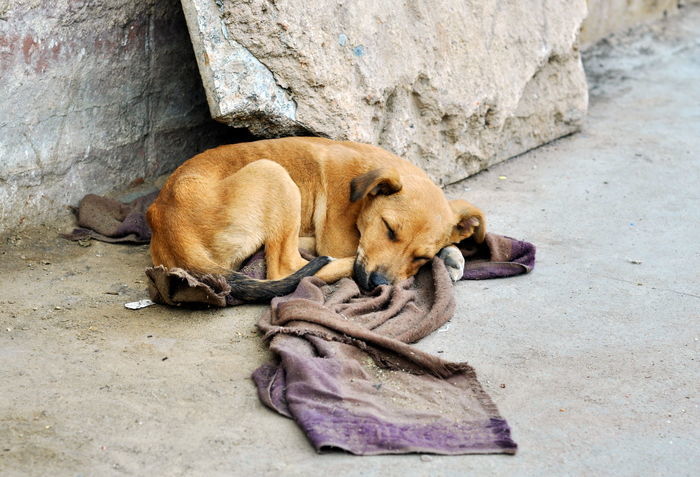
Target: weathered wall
pixel 453 86
pixel 93 95
pixel 96 94
pixel 612 16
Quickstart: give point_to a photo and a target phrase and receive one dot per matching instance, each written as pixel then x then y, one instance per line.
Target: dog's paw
pixel 454 261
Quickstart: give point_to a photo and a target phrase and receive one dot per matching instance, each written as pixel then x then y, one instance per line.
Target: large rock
pixel 453 86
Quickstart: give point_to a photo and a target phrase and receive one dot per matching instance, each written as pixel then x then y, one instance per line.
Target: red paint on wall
pixel 41 53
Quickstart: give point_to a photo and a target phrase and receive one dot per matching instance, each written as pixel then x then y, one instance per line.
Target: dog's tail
pixel 252 290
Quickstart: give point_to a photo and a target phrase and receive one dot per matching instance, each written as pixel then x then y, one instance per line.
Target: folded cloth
pixel 175 286
pixel 344 370
pixel 347 376
pixel 112 221
pixel 497 257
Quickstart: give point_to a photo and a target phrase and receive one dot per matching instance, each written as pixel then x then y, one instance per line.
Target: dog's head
pixel 404 222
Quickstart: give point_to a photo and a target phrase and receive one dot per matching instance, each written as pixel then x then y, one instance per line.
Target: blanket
pixel 347 375
pixel 344 367
pixel 345 371
pixel 109 220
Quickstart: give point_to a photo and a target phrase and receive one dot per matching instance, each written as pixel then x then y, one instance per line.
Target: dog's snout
pixel 360 274
pixel 376 279
pixel 368 281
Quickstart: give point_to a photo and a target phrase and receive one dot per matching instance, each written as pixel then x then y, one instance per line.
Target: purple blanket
pixel 109 220
pixel 344 369
pixel 347 376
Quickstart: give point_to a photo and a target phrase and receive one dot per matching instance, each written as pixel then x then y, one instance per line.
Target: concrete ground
pixel 592 358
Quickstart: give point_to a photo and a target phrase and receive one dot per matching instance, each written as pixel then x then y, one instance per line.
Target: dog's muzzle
pixel 368 281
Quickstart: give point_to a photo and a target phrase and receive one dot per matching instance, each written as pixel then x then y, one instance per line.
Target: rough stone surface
pixel 452 86
pixel 94 96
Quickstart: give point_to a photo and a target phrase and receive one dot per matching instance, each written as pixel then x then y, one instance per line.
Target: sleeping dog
pixel 380 216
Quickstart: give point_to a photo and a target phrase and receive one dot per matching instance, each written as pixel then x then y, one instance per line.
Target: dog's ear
pixel 469 221
pixel 384 181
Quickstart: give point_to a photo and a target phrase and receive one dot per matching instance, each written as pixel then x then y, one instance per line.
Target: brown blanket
pixel 344 369
pixel 347 376
pixel 109 220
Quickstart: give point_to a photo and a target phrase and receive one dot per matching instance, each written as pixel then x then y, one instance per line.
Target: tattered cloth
pixel 347 376
pixel 344 370
pixel 109 220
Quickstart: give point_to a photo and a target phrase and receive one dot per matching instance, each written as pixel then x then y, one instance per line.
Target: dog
pixel 368 213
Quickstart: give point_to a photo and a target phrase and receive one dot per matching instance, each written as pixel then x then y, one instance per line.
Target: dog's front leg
pixel 454 261
pixel 337 269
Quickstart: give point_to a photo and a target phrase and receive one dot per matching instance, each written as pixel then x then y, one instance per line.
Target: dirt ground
pixel 592 358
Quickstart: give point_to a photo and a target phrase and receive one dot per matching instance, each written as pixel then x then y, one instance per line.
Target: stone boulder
pixel 453 86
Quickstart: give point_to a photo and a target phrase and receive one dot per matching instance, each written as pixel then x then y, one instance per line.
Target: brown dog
pixel 379 214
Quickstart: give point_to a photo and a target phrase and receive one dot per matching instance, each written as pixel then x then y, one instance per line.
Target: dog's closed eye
pixel 390 232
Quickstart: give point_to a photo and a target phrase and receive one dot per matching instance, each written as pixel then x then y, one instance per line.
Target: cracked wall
pixel 95 95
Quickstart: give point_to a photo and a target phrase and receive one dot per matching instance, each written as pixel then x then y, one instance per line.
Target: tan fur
pixel 220 206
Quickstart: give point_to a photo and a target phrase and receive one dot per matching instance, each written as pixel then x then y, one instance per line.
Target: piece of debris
pixel 634 262
pixel 502 178
pixel 503 386
pixel 444 328
pixel 137 305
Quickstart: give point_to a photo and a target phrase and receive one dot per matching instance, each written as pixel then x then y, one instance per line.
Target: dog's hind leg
pixel 263 207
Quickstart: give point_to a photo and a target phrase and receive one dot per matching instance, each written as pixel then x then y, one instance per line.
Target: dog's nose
pixel 376 279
